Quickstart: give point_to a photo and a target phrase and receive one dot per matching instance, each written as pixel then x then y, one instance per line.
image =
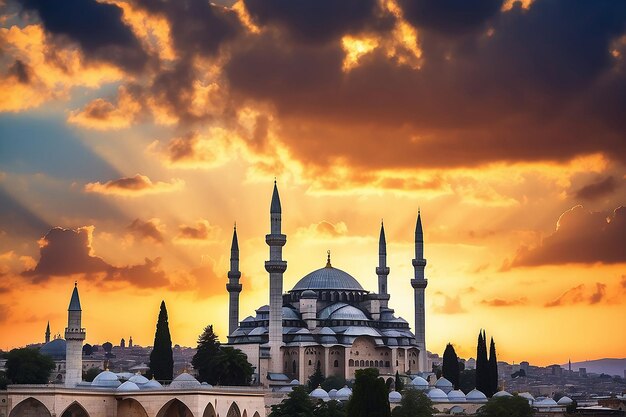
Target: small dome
pixel 395 397
pixel 344 394
pixel 437 395
pixel 456 396
pixel 419 382
pixel 287 388
pixel 527 395
pixel 308 294
pixel 546 402
pixel 184 381
pixel 55 349
pixel 257 331
pixel 332 393
pixel 443 382
pixel 294 382
pixel 502 394
pixel 565 401
pixel 319 394
pixel 106 379
pixel 475 395
pixel 152 384
pixel 342 311
pixel 138 379
pixel 128 386
pixel 290 314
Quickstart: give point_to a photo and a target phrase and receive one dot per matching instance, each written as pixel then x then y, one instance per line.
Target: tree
pixel 90 374
pixel 330 408
pixel 87 349
pixel 450 369
pixel 467 380
pixel 414 403
pixel 493 370
pixel 297 404
pixel 107 346
pixel 370 397
pixel 3 381
pixel 399 385
pixel 208 348
pixel 514 406
pixel 28 366
pixel 482 365
pixel 161 358
pixel 571 409
pixel 333 382
pixel 316 379
pixel 231 367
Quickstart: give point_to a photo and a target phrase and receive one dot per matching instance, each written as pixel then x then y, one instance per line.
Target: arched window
pixel 293 367
pixel 362 362
pixel 309 361
pixel 336 363
pixel 351 362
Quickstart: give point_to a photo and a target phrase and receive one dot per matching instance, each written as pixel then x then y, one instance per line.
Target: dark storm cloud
pixel 20 71
pixel 597 189
pixel 320 20
pixel 96 27
pixel 581 237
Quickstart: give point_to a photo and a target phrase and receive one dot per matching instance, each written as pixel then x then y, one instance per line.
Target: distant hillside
pixel 610 366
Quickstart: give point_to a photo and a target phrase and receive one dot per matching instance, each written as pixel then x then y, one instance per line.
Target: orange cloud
pixel 101 114
pixel 196 151
pixel 148 230
pixel 202 231
pixel 577 295
pixel 451 305
pixel 134 186
pixel 498 302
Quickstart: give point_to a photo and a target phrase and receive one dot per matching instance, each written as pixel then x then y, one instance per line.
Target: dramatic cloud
pixel 133 186
pixel 194 150
pixel 580 237
pixel 65 252
pixel 597 189
pixel 201 231
pixel 498 302
pixel 148 230
pixel 599 294
pixel 324 230
pixel 577 295
pixel 451 305
pixel 101 114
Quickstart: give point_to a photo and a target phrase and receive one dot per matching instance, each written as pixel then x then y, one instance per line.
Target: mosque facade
pixel 327 320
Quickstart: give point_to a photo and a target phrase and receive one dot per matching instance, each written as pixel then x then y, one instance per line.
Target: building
pixel 327 320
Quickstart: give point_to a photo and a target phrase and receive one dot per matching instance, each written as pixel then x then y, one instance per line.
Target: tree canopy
pixel 90 374
pixel 482 364
pixel 414 403
pixel 297 404
pixel 370 397
pixel 161 357
pixel 231 367
pixel 493 370
pixel 330 408
pixel 28 366
pixel 514 406
pixel 450 369
pixel 316 378
pixel 208 348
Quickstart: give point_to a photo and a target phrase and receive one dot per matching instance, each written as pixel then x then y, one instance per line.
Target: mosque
pixel 327 320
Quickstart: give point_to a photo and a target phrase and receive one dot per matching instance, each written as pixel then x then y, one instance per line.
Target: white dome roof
pixel 106 379
pixel 294 382
pixel 128 386
pixel 502 394
pixel 319 394
pixel 443 382
pixel 185 381
pixel 395 397
pixel 332 393
pixel 456 396
pixel 152 384
pixel 419 382
pixel 527 395
pixel 124 375
pixel 565 401
pixel 344 393
pixel 138 379
pixel 287 388
pixel 475 395
pixel 546 402
pixel 437 395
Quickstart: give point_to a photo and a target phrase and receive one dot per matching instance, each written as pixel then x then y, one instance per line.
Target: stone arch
pixel 75 410
pixel 174 408
pixel 30 407
pixel 209 411
pixel 256 414
pixel 233 411
pixel 245 414
pixel 130 407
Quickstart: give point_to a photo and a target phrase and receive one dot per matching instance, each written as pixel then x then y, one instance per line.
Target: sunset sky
pixel 134 133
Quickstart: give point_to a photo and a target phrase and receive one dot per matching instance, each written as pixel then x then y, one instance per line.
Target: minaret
pixel 276 267
pixel 233 287
pixel 382 270
pixel 419 284
pixel 74 336
pixel 48 332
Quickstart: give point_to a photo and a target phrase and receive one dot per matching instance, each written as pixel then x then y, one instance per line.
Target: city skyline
pixel 130 146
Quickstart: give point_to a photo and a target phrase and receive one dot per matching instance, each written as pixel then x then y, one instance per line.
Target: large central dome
pixel 328 278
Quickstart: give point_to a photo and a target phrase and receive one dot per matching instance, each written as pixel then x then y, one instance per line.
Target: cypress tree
pixel 399 385
pixel 370 397
pixel 450 369
pixel 482 372
pixel 493 369
pixel 316 378
pixel 161 357
pixel 208 348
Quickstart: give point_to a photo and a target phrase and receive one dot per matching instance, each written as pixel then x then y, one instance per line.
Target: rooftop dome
pixel 456 396
pixel 106 379
pixel 152 384
pixel 527 395
pixel 290 313
pixel 286 388
pixel 319 394
pixel 328 278
pixel 565 401
pixel 420 382
pixel 308 294
pixel 184 381
pixel 332 393
pixel 342 311
pixel 443 383
pixel 395 397
pixel 475 395
pixel 55 349
pixel 343 394
pixel 502 394
pixel 437 395
pixel 546 402
pixel 128 386
pixel 294 382
pixel 138 379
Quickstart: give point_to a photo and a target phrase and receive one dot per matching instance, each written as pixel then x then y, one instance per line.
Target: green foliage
pixel 399 385
pixel 28 366
pixel 414 404
pixel 482 364
pixel 208 348
pixel 467 380
pixel 450 369
pixel 107 346
pixel 331 408
pixel 370 397
pixel 493 370
pixel 333 382
pixel 161 358
pixel 231 367
pixel 316 378
pixel 506 407
pixel 90 374
pixel 3 381
pixel 297 404
pixel 571 409
pixel 87 349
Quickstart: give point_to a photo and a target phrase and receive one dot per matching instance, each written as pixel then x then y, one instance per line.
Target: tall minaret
pixel 48 332
pixel 419 284
pixel 382 270
pixel 233 287
pixel 276 267
pixel 74 336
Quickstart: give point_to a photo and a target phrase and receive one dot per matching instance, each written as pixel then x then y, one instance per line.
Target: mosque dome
pixel 546 402
pixel 343 394
pixel 152 384
pixel 395 397
pixel 443 384
pixel 502 394
pixel 328 278
pixel 437 395
pixel 527 395
pixel 565 401
pixel 332 394
pixel 294 382
pixel 341 311
pixel 128 386
pixel 319 394
pixel 185 381
pixel 55 349
pixel 287 388
pixel 456 396
pixel 106 379
pixel 308 294
pixel 138 379
pixel 475 395
pixel 419 382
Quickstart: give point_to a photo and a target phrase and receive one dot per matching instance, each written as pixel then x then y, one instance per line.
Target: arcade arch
pixel 30 407
pixel 209 411
pixel 233 411
pixel 175 408
pixel 130 407
pixel 75 410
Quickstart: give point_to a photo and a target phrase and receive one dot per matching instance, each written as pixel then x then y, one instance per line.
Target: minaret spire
pixel 382 270
pixel 276 266
pixel 48 332
pixel 74 337
pixel 419 284
pixel 233 287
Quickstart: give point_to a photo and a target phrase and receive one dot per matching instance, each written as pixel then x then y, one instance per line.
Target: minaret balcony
pixel 419 262
pixel 233 287
pixel 275 266
pixel 75 333
pixel 419 283
pixel 234 274
pixel 382 270
pixel 276 239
